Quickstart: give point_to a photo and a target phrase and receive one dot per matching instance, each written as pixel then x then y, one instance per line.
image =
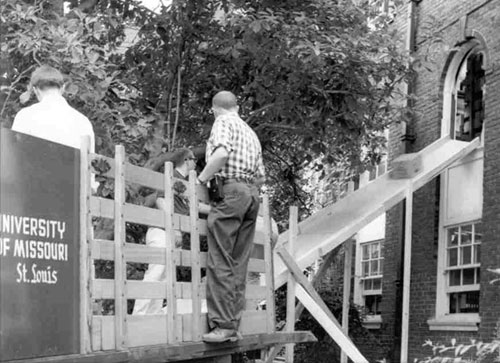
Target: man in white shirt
pixel 52 118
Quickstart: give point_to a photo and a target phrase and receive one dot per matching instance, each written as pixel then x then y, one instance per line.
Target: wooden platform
pixel 328 228
pixel 193 352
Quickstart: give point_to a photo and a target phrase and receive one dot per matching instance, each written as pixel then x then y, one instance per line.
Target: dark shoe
pixel 219 335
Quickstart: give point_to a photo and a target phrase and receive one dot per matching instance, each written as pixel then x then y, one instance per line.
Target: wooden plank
pixel 333 225
pixel 290 291
pixel 96 334
pixel 273 352
pixel 330 326
pixel 120 263
pixel 102 207
pixel 107 332
pixel 406 276
pixel 101 357
pixel 199 350
pixel 195 257
pixel 170 271
pixel 268 260
pixel 317 307
pixel 84 254
pixel 147 330
pixel 346 292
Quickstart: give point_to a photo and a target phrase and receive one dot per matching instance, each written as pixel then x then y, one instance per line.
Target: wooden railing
pixel 186 320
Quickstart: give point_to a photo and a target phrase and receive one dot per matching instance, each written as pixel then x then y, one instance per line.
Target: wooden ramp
pixel 331 226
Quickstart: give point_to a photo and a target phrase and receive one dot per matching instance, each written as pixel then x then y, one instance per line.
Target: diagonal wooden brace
pixel 318 309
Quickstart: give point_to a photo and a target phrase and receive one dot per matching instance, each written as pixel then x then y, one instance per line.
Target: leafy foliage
pixel 473 352
pixel 314 79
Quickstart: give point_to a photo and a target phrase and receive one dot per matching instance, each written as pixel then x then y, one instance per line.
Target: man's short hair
pixel 46 77
pixel 179 156
pixel 225 99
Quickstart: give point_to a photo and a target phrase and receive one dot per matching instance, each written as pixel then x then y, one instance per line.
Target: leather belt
pixel 245 180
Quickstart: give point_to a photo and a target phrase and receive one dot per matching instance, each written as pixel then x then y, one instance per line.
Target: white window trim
pixel 369 321
pixel 442 319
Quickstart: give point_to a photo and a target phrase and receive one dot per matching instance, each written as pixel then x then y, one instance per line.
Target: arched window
pixel 461 195
pixel 464 91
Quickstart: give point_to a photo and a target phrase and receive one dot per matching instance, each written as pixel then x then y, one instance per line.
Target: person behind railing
pixel 234 154
pixel 52 118
pixel 184 161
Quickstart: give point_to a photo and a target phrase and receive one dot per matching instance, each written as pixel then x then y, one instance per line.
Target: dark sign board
pixel 39 247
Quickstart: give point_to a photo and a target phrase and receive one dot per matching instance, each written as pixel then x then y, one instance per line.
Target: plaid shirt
pixel 242 144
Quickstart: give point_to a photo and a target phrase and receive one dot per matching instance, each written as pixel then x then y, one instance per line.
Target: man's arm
pixel 215 163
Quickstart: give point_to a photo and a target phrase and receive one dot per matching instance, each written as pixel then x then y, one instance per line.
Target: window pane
pixel 453 237
pixel 478 232
pixel 366 255
pixel 367 284
pixel 478 275
pixel 464 302
pixel 374 269
pixel 377 284
pixel 381 266
pixel 468 275
pixel 375 251
pixel 453 257
pixel 455 277
pixel 477 253
pixel 372 304
pixel 466 235
pixel 466 255
pixel 366 269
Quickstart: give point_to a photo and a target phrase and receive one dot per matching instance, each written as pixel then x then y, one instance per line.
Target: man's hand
pixel 215 163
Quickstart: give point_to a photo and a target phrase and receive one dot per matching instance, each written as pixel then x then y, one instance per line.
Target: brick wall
pixel 439 30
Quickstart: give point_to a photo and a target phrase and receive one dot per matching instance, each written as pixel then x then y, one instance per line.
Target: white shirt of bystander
pixel 55 120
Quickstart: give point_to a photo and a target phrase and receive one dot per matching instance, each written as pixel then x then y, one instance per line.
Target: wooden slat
pixel 101 207
pixel 151 329
pixel 145 177
pixel 104 250
pixel 290 290
pixel 268 261
pixel 195 258
pixel 200 352
pixel 85 256
pixel 406 275
pixel 120 263
pixel 172 320
pixel 346 292
pixel 136 289
pixel 331 226
pixel 96 334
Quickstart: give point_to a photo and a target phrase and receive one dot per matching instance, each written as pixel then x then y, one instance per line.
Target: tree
pixel 314 79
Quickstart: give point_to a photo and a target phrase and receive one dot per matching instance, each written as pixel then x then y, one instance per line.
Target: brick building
pixel 456 216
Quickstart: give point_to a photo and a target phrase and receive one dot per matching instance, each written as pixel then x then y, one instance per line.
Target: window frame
pixel 443 320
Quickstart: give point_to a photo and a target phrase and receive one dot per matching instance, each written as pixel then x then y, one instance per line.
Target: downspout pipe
pixel 408 137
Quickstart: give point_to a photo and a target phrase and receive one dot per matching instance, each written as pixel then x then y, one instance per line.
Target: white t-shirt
pixel 54 120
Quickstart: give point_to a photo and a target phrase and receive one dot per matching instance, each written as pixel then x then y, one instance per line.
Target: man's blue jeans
pixel 231 230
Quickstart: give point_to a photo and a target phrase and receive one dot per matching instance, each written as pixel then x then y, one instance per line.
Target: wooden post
pixel 170 268
pixel 85 253
pixel 406 276
pixel 120 263
pixel 290 295
pixel 346 293
pixel 195 258
pixel 268 258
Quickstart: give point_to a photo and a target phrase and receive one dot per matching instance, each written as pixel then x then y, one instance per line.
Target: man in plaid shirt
pixel 234 153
